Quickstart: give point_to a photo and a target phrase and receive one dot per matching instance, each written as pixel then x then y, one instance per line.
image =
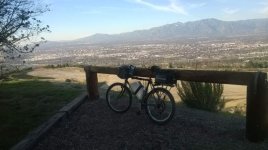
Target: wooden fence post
pixel 92 84
pixel 256 115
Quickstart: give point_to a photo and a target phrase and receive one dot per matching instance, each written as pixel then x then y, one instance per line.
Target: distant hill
pixel 206 28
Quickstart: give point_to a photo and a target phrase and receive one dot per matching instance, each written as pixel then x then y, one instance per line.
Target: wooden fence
pixel 256 82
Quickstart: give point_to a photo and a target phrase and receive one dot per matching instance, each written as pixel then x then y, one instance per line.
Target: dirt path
pixel 95 126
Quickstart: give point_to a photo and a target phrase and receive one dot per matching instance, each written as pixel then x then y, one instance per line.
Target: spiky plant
pixel 206 96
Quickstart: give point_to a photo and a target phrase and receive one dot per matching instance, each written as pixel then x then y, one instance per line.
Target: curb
pixel 36 135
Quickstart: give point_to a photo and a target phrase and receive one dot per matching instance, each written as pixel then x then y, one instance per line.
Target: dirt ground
pixel 96 127
pixel 235 95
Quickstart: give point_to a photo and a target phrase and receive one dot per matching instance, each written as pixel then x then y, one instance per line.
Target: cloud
pixel 91 12
pixel 264 9
pixel 196 5
pixel 230 11
pixel 173 6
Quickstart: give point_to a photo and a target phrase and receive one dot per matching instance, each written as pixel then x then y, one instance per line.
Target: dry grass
pixel 235 95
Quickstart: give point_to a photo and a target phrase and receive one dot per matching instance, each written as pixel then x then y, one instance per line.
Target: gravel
pixel 95 126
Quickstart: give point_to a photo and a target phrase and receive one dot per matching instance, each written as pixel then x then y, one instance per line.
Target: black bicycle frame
pixel 149 82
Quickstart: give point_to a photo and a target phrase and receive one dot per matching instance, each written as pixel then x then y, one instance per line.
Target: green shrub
pixel 257 64
pixel 206 96
pixel 50 66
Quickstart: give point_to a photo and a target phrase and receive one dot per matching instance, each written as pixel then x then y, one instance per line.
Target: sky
pixel 73 19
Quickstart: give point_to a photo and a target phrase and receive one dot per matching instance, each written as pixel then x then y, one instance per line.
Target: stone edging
pixel 34 136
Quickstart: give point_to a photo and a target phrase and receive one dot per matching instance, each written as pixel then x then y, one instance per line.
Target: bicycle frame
pixel 149 82
pixel 154 98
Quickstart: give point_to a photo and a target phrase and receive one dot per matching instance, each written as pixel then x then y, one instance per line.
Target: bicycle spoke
pixel 160 105
pixel 118 97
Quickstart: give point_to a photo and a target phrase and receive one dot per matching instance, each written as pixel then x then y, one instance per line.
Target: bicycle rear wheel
pixel 160 105
pixel 119 97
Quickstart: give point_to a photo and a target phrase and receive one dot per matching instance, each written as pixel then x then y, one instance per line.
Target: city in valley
pixel 181 54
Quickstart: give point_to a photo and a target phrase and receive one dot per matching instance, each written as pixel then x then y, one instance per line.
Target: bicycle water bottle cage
pixel 165 77
pixel 126 71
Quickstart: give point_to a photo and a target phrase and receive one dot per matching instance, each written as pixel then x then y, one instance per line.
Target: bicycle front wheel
pixel 160 105
pixel 118 97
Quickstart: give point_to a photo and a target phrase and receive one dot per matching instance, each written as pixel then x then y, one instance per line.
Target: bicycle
pixel 158 102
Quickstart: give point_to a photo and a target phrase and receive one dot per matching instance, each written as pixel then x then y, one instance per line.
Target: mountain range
pixel 206 28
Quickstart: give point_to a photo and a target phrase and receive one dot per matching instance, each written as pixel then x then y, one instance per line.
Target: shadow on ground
pixel 26 102
pixel 95 126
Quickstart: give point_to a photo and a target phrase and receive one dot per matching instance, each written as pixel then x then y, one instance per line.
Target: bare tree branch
pixel 18 24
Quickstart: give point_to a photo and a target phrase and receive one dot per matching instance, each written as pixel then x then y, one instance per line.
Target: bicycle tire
pixel 125 101
pixel 149 106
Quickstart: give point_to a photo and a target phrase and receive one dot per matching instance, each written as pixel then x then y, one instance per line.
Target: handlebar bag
pixel 126 71
pixel 165 77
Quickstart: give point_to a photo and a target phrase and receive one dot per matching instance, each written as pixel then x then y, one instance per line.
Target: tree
pixel 18 24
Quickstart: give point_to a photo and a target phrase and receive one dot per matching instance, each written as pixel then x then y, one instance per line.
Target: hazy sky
pixel 72 19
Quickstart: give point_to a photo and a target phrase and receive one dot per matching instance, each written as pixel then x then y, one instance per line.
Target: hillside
pixel 207 28
pixel 201 29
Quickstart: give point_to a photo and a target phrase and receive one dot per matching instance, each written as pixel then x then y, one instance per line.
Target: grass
pixel 26 102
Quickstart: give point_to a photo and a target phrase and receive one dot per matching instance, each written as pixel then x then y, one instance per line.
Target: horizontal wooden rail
pixel 256 82
pixel 224 77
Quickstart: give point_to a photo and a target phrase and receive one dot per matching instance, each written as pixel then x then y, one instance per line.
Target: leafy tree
pixel 18 24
